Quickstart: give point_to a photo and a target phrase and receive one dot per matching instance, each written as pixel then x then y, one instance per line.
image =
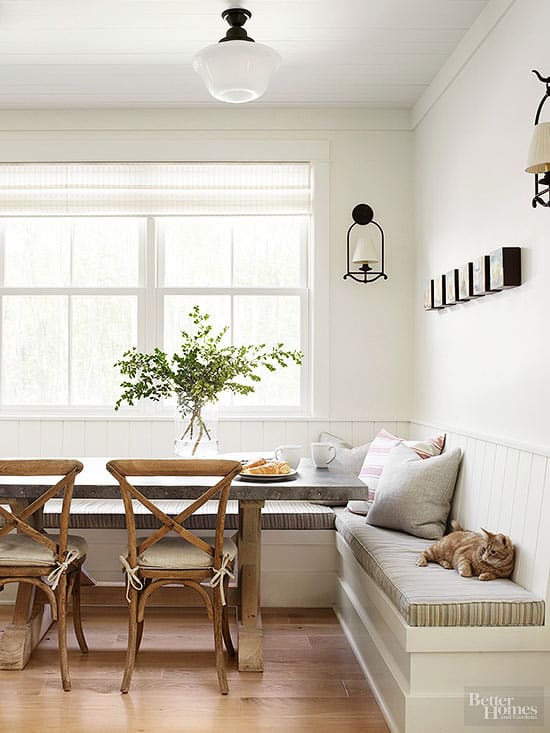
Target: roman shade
pixel 126 189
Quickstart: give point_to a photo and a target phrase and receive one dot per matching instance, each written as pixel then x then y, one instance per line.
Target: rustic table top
pixel 95 482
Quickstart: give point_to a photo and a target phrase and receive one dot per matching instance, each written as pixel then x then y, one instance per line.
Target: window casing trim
pixel 99 147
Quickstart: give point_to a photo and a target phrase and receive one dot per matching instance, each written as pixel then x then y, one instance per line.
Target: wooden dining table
pixel 31 617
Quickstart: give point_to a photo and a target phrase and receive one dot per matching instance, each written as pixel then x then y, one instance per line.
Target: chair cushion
pixel 432 596
pixel 20 550
pixel 177 554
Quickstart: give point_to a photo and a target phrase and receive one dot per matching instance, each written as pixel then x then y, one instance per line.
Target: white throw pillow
pixel 348 458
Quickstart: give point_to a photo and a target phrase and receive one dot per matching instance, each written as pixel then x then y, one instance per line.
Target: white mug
pixel 322 454
pixel 289 453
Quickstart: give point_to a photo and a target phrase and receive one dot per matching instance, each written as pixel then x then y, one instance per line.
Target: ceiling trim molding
pixel 474 38
pixel 195 120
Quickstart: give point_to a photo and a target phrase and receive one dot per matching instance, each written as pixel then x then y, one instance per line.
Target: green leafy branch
pixel 202 369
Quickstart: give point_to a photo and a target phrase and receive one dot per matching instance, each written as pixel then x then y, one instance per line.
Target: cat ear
pixel 487 533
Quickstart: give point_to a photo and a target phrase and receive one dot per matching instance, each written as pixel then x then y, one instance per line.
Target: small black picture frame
pixel 451 287
pixel 440 300
pixel 466 281
pixel 429 295
pixel 505 268
pixel 481 276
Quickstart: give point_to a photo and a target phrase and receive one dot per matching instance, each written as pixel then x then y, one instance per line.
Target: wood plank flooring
pixel 311 682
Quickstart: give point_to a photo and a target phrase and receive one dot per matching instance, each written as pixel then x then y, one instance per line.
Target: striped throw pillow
pixel 379 449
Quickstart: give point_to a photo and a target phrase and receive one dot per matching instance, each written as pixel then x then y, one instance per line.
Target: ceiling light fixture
pixel 236 69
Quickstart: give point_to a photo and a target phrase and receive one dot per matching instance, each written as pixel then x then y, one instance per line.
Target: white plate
pixel 267 477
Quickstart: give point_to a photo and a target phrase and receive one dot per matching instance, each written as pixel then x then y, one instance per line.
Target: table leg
pixel 30 621
pixel 251 656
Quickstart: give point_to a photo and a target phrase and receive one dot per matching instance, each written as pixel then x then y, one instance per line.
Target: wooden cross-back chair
pixel 51 563
pixel 185 559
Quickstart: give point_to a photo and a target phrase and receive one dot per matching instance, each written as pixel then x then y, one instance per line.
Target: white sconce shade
pixel 365 252
pixel 538 159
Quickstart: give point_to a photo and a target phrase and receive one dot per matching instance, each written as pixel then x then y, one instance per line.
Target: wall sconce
pixel 369 248
pixel 538 159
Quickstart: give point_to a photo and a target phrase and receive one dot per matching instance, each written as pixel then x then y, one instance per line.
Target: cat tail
pixel 457 527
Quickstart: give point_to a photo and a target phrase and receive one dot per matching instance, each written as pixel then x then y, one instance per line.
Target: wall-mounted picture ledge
pixel 491 273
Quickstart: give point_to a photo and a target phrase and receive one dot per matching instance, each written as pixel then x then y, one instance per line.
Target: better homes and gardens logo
pixel 521 707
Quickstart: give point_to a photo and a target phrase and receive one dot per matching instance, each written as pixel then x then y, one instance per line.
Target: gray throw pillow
pixel 415 495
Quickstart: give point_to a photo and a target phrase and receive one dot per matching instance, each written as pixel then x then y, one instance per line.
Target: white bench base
pixel 419 675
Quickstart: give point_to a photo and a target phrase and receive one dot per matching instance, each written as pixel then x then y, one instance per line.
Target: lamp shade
pixel 236 71
pixel 538 159
pixel 365 252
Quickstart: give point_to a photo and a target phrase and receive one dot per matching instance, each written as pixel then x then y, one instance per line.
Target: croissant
pixel 271 468
pixel 259 462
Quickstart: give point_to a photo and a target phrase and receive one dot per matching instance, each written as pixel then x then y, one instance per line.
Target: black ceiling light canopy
pixel 236 17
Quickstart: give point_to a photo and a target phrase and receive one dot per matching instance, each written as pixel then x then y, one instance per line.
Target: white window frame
pixel 317 401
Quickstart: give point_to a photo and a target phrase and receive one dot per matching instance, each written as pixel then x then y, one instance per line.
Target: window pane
pixel 268 251
pixel 102 328
pixel 37 252
pixel 35 346
pixel 105 252
pixel 197 252
pixel 270 320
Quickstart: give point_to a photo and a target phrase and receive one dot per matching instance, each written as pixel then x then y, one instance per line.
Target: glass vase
pixel 196 431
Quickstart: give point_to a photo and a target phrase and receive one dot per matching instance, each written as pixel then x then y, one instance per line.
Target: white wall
pixel 370 160
pixel 484 366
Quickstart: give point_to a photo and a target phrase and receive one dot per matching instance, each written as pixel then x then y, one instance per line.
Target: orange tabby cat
pixel 489 555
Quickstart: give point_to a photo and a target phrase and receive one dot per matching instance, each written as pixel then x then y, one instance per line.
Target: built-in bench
pixel 431 596
pixel 425 636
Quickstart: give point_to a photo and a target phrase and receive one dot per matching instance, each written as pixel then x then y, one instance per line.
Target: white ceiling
pixel 137 53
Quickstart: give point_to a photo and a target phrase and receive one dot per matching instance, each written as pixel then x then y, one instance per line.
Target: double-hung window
pixel 95 258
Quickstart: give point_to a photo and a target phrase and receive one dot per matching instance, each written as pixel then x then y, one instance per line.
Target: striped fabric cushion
pixel 432 596
pixel 109 514
pixel 379 449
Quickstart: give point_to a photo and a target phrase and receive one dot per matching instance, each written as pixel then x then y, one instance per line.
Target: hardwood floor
pixel 311 682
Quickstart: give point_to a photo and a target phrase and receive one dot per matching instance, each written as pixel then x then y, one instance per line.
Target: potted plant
pixel 196 375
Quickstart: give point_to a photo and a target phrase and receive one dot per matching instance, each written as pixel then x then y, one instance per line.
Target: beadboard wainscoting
pixel 505 488
pixel 147 438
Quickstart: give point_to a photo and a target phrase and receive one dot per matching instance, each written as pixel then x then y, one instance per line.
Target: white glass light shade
pixel 366 251
pixel 538 158
pixel 236 71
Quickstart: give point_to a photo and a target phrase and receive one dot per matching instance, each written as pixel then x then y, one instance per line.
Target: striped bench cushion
pixel 109 514
pixel 432 596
